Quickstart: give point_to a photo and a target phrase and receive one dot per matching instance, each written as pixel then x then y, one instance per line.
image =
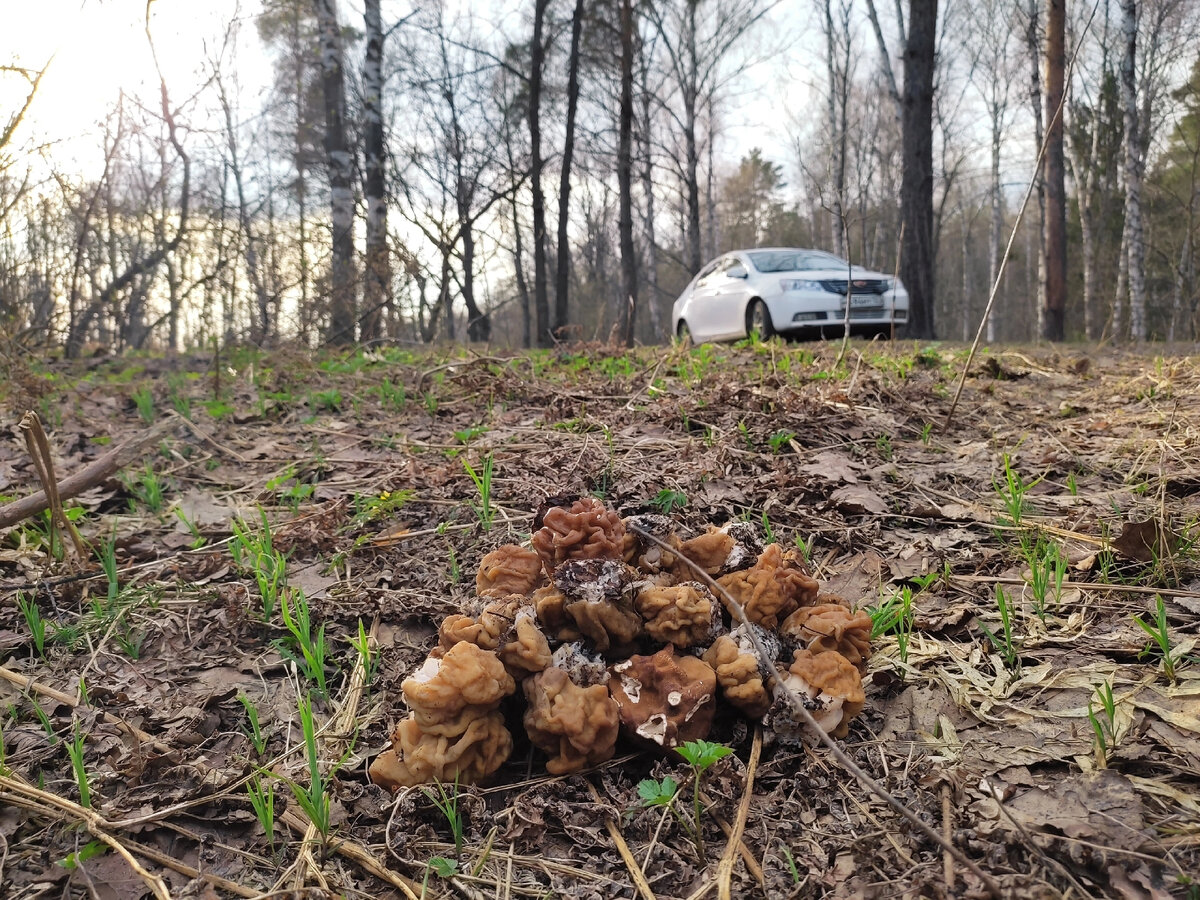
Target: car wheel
pixel 683 333
pixel 758 318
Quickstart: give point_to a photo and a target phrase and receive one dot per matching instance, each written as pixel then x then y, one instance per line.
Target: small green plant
pixel 312 646
pixel 1047 569
pixel 198 540
pixel 1005 643
pixel 768 530
pixel 744 434
pixel 89 850
pixel 75 751
pixel 805 547
pixel 466 435
pixel 254 553
pixel 483 486
pixel 33 618
pixel 1013 493
pixel 143 399
pixel 329 400
pixel 262 798
pixel 667 501
pixel 883 446
pixel 253 729
pixel 1161 637
pixel 314 799
pixel 780 439
pixel 442 867
pixel 894 616
pixel 107 554
pixel 455 570
pixel 368 508
pixel 219 409
pixel 147 490
pixel 177 394
pixel 1072 486
pixel 701 756
pixel 392 396
pixel 367 658
pixel 290 488
pixel 791 864
pixel 447 804
pixel 926 432
pixel 1104 730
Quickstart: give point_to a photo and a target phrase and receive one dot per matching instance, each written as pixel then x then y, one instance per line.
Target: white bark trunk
pixel 1134 167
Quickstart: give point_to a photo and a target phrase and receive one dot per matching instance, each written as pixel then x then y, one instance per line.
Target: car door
pixel 701 309
pixel 730 295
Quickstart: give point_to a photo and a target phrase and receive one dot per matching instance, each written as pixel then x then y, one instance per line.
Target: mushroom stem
pixel 797 704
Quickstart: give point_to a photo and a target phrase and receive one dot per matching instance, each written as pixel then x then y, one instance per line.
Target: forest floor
pixel 1013 703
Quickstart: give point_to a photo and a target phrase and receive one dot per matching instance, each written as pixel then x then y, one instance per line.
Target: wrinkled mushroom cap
pixel 830 688
pixel 550 604
pixel 599 600
pixel 685 615
pixel 587 529
pixel 526 650
pixel 773 588
pixel 832 626
pixel 417 757
pixel 739 676
pixel 665 699
pixel 576 725
pixel 509 569
pixel 465 676
pixel 645 555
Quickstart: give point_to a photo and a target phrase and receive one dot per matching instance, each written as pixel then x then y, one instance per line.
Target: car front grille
pixel 859 286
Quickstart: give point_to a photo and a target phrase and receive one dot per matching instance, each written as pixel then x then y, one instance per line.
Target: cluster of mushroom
pixel 607 633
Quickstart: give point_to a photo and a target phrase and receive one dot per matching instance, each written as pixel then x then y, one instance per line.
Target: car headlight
pixel 799 284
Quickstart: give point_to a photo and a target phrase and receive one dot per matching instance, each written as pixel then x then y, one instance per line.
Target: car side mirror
pixel 737 272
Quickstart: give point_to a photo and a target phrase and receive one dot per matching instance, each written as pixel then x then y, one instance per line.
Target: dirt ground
pixel 1013 702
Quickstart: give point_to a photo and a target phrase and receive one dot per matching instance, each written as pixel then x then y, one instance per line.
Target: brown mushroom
pixel 466 676
pixel 773 588
pixel 830 688
pixel 685 615
pixel 832 626
pixel 736 663
pixel 525 649
pixel 665 699
pixel 645 555
pixel 550 604
pixel 599 600
pixel 576 725
pixel 586 529
pixel 509 569
pixel 418 757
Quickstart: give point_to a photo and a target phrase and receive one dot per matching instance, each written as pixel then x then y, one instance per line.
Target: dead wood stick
pixel 725 869
pixel 38 446
pixel 797 704
pixel 85 478
pixel 96 825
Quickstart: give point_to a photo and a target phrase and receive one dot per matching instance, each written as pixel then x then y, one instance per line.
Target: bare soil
pixel 357 463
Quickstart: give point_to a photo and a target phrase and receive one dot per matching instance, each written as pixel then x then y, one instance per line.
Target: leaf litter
pixel 999 738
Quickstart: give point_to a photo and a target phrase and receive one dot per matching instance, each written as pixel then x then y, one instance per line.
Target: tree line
pixel 561 174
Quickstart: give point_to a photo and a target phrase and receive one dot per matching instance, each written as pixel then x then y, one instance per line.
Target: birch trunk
pixel 340 161
pixel 628 301
pixel 1135 248
pixel 376 289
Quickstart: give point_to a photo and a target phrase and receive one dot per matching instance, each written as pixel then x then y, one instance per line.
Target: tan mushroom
pixel 830 688
pixel 509 569
pixel 576 725
pixel 735 661
pixel 832 626
pixel 583 529
pixel 773 588
pixel 685 615
pixel 419 757
pixel 665 699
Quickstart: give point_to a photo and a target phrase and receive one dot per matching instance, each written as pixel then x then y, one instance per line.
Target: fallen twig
pixel 635 871
pixel 725 869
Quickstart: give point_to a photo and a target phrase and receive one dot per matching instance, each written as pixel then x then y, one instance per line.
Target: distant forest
pixel 424 174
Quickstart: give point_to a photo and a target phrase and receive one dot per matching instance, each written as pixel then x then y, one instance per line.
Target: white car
pixel 788 291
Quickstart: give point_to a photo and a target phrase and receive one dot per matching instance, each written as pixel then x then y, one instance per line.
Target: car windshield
pixel 794 260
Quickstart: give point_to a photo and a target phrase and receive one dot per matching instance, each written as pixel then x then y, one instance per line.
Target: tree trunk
pixel 341 176
pixel 836 103
pixel 628 310
pixel 997 221
pixel 656 327
pixel 916 186
pixel 1135 246
pixel 537 59
pixel 1033 44
pixel 692 153
pixel 562 278
pixel 377 281
pixel 1056 188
